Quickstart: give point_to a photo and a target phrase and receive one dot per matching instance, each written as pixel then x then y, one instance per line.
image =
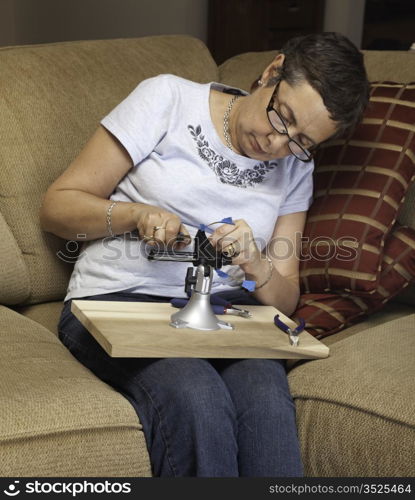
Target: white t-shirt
pixel 181 165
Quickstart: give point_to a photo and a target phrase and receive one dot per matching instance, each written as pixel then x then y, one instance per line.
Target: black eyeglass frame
pixel 270 108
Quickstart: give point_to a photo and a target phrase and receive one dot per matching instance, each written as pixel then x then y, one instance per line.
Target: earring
pixel 260 82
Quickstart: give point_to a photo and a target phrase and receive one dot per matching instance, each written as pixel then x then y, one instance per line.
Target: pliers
pixel 293 333
pixel 219 306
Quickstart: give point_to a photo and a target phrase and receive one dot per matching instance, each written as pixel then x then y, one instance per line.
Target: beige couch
pixel 355 409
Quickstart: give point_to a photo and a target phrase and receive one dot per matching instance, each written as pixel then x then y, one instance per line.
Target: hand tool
pixel 292 332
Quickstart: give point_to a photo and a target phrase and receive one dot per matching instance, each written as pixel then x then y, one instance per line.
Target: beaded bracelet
pixel 271 269
pixel 109 213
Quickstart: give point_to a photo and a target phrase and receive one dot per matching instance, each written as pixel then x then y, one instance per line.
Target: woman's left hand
pixel 238 242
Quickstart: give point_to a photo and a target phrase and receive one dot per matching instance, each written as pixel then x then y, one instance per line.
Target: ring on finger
pixel 231 250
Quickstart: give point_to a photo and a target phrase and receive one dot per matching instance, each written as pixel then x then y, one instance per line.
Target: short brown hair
pixel 334 67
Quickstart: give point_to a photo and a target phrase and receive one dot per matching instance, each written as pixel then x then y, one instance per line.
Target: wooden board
pixel 141 329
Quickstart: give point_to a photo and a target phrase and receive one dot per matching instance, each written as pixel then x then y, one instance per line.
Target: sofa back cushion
pixel 52 98
pixel 14 276
pixel 360 183
pixel 328 313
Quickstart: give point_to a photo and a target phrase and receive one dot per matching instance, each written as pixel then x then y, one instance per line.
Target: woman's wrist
pixel 261 271
pixel 109 219
pixel 268 277
pixel 121 217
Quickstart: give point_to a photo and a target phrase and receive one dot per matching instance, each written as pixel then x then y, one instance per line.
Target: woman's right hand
pixel 158 226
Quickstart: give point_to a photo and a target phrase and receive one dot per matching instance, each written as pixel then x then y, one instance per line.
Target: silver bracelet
pixel 109 214
pixel 271 269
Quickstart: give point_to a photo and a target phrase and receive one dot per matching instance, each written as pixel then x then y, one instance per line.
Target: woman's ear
pixel 272 70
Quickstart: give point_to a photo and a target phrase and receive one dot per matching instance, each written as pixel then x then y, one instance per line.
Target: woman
pixel 175 154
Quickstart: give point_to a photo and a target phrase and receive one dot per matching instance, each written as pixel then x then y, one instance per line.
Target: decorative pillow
pixel 329 313
pixel 360 183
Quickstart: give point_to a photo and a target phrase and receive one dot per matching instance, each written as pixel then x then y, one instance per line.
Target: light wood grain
pixel 141 329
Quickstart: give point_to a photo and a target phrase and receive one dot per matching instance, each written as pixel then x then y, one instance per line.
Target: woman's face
pixel 301 108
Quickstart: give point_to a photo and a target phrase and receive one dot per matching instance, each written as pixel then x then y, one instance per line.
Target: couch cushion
pixel 56 418
pixel 46 314
pixel 406 214
pixel 51 100
pixel 407 296
pixel 360 183
pixel 14 277
pixel 389 65
pixel 355 409
pixel 242 70
pixel 329 313
pixel 393 310
pixel 406 217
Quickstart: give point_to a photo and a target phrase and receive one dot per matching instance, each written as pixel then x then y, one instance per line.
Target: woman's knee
pixel 258 382
pixel 190 385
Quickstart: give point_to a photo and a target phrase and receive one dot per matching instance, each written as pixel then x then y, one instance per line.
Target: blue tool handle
pixel 177 302
pixel 282 326
pixel 301 326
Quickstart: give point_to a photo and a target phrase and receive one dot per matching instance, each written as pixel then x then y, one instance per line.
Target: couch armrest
pixel 356 409
pixel 56 417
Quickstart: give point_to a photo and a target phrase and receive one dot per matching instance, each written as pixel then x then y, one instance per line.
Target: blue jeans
pixel 200 417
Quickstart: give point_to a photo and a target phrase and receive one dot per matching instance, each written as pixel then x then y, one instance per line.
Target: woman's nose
pixel 278 142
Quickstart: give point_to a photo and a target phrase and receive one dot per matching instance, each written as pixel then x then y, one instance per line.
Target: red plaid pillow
pixel 360 183
pixel 329 313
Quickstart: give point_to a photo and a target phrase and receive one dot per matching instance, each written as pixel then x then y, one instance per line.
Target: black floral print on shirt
pixel 225 170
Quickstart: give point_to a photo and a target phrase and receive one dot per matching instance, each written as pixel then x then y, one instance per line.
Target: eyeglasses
pixel 278 124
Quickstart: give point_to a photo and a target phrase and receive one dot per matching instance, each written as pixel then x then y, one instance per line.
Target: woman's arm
pixel 283 290
pixel 278 284
pixel 75 205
